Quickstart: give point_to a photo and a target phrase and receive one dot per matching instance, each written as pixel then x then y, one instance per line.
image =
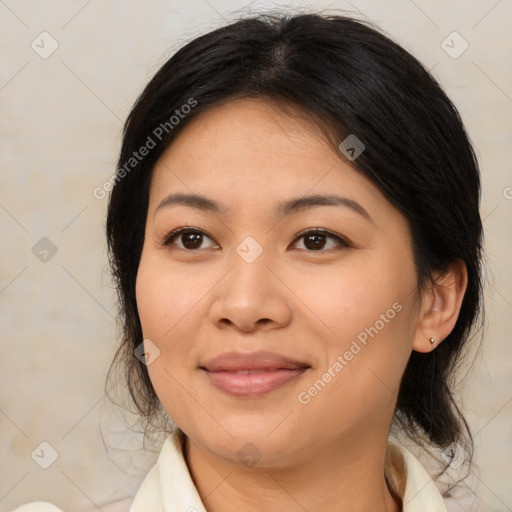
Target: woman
pixel 294 231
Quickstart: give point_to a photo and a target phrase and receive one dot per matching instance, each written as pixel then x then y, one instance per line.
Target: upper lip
pixel 233 361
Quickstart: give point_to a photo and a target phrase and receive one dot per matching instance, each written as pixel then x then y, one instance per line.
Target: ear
pixel 440 306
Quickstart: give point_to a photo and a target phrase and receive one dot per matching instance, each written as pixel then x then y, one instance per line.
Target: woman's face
pixel 338 310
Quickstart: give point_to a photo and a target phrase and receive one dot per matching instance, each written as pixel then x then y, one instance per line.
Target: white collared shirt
pixel 168 487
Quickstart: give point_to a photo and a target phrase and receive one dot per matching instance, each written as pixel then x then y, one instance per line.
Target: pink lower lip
pixel 252 385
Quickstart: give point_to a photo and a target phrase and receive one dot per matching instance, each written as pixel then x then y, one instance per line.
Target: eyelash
pixel 343 243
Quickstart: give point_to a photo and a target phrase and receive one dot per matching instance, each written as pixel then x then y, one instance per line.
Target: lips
pixel 252 375
pixel 237 361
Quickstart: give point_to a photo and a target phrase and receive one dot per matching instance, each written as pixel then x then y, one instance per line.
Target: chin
pixel 251 443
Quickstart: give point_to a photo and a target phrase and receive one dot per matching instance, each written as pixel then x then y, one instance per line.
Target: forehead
pixel 249 129
pixel 251 151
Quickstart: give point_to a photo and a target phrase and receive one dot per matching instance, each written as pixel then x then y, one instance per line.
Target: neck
pixel 345 479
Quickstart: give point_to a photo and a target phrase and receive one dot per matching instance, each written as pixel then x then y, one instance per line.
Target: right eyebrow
pixel 193 200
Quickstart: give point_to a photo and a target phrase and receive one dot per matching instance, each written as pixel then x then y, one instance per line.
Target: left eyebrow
pixel 306 202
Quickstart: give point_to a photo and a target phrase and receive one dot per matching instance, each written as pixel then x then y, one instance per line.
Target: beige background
pixel 61 118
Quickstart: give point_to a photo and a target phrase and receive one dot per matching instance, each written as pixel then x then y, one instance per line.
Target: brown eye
pixel 316 240
pixel 189 239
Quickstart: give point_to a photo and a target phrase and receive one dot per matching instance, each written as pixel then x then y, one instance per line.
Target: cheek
pixel 167 302
pixel 173 304
pixel 165 296
pixel 366 317
pixel 365 357
pixel 163 303
pixel 348 300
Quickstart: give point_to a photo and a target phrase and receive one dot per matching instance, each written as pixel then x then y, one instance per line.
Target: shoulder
pixel 421 493
pixel 38 506
pixel 41 506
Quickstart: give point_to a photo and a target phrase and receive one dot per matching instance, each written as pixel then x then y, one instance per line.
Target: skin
pixel 194 304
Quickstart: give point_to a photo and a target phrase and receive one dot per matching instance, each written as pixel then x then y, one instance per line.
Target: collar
pixel 168 486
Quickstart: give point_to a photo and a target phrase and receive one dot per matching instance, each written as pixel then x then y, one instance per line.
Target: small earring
pixel 432 340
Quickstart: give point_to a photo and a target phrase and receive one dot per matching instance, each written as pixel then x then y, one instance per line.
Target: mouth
pixel 252 383
pixel 252 372
pixel 252 375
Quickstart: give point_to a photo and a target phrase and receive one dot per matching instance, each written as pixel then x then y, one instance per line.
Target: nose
pixel 251 297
